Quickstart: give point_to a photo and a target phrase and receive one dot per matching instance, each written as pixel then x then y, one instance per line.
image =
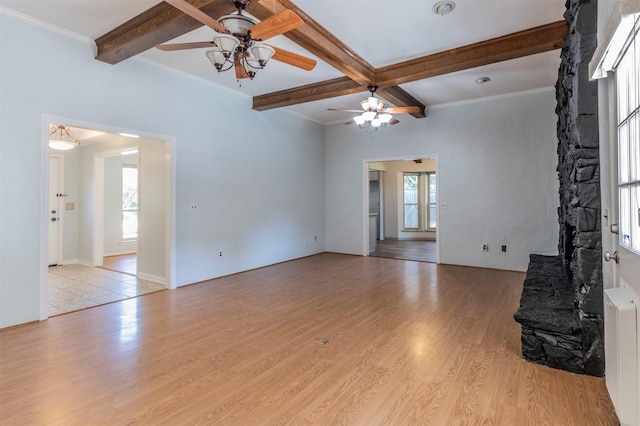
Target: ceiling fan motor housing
pixel 238 25
pixel 240 4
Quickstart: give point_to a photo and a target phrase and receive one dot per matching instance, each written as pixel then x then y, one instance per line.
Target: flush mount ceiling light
pixel 443 7
pixel 238 38
pixel 64 140
pixel 483 80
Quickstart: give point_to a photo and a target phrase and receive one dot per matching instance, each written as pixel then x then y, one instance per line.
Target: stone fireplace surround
pixel 561 309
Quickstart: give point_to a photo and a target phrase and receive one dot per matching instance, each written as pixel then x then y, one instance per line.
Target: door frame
pixel 365 198
pixel 170 223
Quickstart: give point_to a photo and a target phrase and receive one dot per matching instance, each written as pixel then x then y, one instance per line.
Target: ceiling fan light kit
pixel 372 103
pixel 238 48
pixel 374 114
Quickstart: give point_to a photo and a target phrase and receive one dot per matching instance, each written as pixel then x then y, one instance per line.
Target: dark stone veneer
pixel 561 309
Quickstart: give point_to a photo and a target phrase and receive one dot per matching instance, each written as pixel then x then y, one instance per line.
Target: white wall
pixel 259 186
pixel 497 172
pixel 113 243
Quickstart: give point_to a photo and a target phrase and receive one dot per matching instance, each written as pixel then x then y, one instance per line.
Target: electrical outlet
pixel 444 205
pixel 504 249
pixel 485 247
pixel 193 207
pixel 220 254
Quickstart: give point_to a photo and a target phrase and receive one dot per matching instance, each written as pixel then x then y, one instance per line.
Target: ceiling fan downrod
pixel 240 5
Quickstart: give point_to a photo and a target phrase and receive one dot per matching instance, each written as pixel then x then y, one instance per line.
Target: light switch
pixel 70 206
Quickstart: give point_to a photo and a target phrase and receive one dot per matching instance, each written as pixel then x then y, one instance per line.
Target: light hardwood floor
pixel 125 263
pixel 419 250
pixel 409 343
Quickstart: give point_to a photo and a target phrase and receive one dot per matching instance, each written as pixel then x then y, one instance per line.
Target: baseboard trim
pixel 119 253
pixel 153 278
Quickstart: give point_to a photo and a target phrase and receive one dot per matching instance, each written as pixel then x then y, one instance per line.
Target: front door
pixel 620 166
pixel 53 213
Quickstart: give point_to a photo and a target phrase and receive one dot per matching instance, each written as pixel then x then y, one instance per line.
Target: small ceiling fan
pixel 238 39
pixel 374 114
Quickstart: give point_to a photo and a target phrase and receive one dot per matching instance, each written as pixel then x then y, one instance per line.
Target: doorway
pixel 403 209
pixel 78 251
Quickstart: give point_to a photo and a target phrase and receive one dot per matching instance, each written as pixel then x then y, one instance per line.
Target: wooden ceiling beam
pixel 318 40
pixel 399 97
pixel 523 43
pixel 512 46
pixel 156 25
pixel 311 92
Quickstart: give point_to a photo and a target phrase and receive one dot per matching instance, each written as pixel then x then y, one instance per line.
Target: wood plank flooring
pixel 409 343
pixel 418 250
pixel 125 263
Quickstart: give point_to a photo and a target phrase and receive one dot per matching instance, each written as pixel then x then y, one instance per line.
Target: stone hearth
pixel 551 332
pixel 561 310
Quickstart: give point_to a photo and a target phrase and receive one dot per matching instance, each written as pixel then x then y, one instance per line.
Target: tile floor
pixel 74 287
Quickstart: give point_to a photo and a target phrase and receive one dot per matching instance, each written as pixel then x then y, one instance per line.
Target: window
pixel 411 201
pixel 628 126
pixel 433 208
pixel 419 199
pixel 129 202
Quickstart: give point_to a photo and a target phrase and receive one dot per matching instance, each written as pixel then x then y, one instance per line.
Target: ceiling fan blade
pixel 293 59
pixel 198 15
pixel 241 73
pixel 275 25
pixel 402 110
pixel 344 110
pixel 182 46
pixel 393 121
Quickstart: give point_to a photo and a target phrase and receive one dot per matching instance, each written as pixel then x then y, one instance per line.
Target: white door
pixel 620 160
pixel 620 166
pixel 55 197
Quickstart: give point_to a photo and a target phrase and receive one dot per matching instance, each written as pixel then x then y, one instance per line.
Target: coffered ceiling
pixel 414 55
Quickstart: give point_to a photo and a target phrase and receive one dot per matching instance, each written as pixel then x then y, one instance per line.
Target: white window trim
pixel 615 35
pixel 423 202
pixel 132 240
pixel 619 36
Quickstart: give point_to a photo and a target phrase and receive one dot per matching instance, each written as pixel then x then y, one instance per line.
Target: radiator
pixel 621 353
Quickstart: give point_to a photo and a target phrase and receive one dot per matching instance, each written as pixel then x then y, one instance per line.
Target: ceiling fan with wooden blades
pixel 238 40
pixel 374 114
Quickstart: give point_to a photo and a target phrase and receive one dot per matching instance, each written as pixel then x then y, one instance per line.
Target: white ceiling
pixel 383 32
